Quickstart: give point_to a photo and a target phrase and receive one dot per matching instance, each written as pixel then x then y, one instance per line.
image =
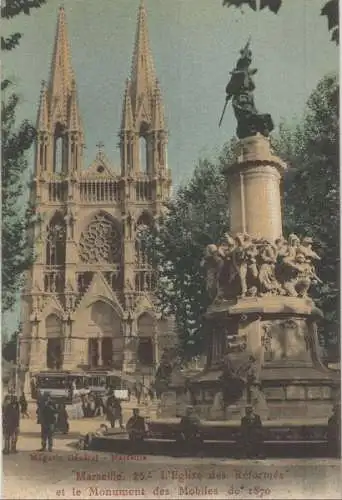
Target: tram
pixel 101 381
pixel 62 386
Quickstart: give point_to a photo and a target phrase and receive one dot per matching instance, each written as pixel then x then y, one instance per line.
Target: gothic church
pixel 88 301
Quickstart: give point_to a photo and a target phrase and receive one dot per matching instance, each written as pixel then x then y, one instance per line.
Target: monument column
pixel 256 170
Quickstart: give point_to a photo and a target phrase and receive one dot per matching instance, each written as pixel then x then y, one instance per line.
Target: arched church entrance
pixel 55 344
pixel 146 337
pixel 105 339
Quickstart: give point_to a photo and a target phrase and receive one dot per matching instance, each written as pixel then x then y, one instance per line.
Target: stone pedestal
pixel 281 334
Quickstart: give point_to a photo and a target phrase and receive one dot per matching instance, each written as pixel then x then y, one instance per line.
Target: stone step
pixel 210 448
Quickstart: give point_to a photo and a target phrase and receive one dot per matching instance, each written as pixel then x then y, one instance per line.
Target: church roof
pixel 100 168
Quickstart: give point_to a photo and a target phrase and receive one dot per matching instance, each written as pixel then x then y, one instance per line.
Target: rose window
pixel 101 242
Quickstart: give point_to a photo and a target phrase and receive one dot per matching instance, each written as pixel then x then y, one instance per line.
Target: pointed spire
pixel 74 118
pixel 61 69
pixel 158 109
pixel 43 114
pixel 127 115
pixel 143 74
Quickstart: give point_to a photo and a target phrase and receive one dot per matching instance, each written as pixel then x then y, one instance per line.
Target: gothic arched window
pixel 143 154
pixel 146 330
pixel 101 242
pixel 58 154
pixel 55 241
pixel 55 346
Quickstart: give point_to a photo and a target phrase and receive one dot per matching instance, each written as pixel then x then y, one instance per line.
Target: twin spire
pixel 142 106
pixel 58 99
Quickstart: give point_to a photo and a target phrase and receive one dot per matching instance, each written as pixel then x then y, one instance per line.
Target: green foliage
pixel 16 255
pixel 16 141
pixel 9 349
pixel 312 206
pixel 196 217
pixel 329 9
pixel 11 9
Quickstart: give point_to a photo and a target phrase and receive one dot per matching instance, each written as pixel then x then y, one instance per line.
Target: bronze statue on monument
pixel 240 90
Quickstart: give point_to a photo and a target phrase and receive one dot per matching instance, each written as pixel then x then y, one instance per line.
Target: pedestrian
pixel 136 427
pixel 151 392
pixel 92 405
pixel 251 438
pixel 138 391
pixel 98 405
pixel 189 428
pixel 47 419
pixel 23 406
pixel 334 432
pixel 34 390
pixel 10 423
pixel 114 411
pixel 62 423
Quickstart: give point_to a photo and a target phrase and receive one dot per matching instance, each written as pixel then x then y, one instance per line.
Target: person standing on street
pixel 23 406
pixel 10 423
pixel 334 432
pixel 251 434
pixel 98 405
pixel 138 391
pixel 47 419
pixel 114 411
pixel 136 427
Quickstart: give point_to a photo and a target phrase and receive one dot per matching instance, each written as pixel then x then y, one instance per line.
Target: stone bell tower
pixel 88 301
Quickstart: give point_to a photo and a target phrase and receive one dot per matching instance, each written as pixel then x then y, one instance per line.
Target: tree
pixel 197 216
pixel 312 189
pixel 16 141
pixel 329 9
pixel 15 250
pixel 9 349
pixel 11 9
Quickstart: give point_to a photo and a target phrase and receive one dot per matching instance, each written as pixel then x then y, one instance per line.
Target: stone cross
pixel 100 147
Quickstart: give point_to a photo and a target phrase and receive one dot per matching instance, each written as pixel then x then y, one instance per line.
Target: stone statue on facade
pixel 240 90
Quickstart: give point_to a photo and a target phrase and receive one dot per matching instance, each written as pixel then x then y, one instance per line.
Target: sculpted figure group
pixel 243 266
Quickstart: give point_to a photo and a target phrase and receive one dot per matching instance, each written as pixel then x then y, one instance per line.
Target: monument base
pixel 280 334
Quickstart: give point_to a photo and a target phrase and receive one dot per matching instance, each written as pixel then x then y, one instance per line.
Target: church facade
pixel 88 300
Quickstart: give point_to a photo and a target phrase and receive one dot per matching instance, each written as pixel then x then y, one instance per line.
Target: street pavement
pixel 71 473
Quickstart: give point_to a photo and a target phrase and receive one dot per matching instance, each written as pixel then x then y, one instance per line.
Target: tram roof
pixel 59 374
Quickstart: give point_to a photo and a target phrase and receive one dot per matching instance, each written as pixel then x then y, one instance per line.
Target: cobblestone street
pixel 69 473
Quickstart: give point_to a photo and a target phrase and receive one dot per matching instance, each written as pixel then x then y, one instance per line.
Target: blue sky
pixel 195 44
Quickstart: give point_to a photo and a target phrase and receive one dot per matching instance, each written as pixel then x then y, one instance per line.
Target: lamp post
pixel 17 364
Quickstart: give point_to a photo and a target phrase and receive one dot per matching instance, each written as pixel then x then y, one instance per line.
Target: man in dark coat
pixel 334 432
pixel 251 434
pixel 23 406
pixel 62 423
pixel 47 418
pixel 10 423
pixel 138 391
pixel 114 410
pixel 98 405
pixel 190 427
pixel 136 426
